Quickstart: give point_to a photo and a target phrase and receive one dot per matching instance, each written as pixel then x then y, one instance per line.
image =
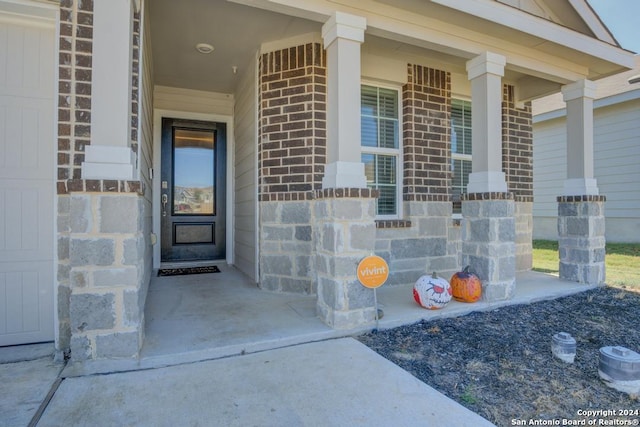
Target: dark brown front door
pixel 193 190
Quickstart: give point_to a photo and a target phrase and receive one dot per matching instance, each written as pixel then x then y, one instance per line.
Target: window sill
pixel 393 223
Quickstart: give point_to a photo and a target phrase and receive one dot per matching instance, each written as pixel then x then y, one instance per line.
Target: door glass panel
pixel 193 172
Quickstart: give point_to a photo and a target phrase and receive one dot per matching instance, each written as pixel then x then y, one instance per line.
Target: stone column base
pixel 581 239
pixel 346 233
pixel 108 279
pixel 488 242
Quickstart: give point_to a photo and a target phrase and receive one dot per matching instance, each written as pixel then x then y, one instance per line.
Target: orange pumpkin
pixel 466 286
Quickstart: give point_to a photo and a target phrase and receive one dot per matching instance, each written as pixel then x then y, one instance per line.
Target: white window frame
pixel 397 152
pixel 458 156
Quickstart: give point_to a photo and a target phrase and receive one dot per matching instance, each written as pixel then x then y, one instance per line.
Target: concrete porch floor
pixel 210 316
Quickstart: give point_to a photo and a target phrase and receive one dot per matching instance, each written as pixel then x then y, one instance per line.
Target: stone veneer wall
pixel 345 233
pixel 106 254
pixel 581 239
pixel 427 239
pixel 103 265
pixel 517 163
pixel 488 242
pixel 291 157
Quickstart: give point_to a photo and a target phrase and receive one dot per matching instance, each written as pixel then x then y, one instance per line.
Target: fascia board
pixel 593 21
pixel 513 18
pixel 598 103
pixel 419 30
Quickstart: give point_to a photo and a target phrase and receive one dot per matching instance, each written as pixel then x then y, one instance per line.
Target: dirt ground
pixel 499 363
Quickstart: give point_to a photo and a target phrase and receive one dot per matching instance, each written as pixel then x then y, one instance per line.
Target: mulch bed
pixel 499 363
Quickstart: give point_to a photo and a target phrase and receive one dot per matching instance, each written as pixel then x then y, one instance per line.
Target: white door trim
pixel 158 115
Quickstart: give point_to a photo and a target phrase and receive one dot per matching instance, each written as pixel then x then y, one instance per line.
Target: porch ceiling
pixel 237 28
pixel 236 32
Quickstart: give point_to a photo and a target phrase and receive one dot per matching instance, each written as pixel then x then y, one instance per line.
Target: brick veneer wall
pixel 427 239
pixel 291 159
pixel 426 115
pixel 517 163
pixel 292 122
pixel 74 99
pixel 517 147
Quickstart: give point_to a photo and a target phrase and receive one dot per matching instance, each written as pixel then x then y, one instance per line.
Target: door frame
pixel 158 115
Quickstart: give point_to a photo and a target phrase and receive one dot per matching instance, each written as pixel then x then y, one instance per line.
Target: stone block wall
pixel 430 242
pixel 107 268
pixel 581 239
pixel 488 242
pixel 524 235
pixel 345 233
pixel 286 247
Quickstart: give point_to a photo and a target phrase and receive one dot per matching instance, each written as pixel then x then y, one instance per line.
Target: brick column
pixel 345 233
pixel 581 239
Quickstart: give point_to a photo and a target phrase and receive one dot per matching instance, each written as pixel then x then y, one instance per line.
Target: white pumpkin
pixel 432 292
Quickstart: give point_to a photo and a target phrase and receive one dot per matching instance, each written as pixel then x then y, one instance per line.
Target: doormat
pixel 188 270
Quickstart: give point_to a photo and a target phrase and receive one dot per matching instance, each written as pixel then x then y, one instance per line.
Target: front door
pixel 193 190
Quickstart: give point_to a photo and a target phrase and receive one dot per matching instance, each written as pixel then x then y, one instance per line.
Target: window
pixel 460 149
pixel 379 124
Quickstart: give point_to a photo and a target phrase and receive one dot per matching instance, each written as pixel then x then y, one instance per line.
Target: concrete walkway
pixel 331 383
pixel 220 352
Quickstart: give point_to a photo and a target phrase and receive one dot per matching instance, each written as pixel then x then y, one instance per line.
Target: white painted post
pixel 580 167
pixel 343 34
pixel 485 72
pixel 109 155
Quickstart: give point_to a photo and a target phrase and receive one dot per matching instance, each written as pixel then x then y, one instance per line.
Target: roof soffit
pixel 466 29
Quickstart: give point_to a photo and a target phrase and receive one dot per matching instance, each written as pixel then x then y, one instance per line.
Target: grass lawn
pixel 622 262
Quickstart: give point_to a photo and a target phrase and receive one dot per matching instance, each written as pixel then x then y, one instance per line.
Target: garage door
pixel 27 141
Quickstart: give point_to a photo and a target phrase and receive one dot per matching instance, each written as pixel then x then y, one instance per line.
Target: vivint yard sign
pixel 373 271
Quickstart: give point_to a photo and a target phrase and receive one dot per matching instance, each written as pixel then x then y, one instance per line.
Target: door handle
pixel 165 199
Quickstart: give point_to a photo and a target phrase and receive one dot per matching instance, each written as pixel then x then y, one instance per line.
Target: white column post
pixel 580 176
pixel 485 72
pixel 109 155
pixel 343 34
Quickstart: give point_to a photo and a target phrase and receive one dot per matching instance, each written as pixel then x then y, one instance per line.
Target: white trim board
pixel 158 115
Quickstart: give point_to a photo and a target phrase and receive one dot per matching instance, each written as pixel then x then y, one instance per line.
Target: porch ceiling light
pixel 204 48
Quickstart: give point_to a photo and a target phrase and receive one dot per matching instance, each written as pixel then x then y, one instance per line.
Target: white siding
pixel 616 158
pixel 245 174
pixel 145 135
pixel 193 101
pixel 145 113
